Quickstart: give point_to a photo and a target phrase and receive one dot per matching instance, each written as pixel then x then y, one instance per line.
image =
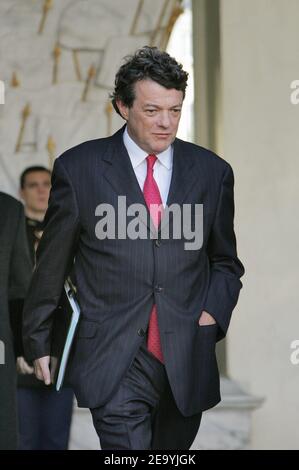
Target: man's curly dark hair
pixel 147 63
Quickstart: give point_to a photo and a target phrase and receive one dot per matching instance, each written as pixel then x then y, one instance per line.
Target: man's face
pixel 154 118
pixel 36 191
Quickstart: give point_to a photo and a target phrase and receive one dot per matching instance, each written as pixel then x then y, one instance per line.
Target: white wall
pixel 260 58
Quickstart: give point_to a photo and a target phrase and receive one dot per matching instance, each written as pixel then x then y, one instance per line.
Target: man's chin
pixel 161 148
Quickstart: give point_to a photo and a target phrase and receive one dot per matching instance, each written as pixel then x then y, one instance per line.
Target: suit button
pixel 158 243
pixel 159 289
pixel 141 332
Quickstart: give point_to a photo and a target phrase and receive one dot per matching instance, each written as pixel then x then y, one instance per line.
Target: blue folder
pixel 66 318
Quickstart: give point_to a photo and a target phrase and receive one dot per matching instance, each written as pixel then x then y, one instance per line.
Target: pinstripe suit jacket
pixel 119 279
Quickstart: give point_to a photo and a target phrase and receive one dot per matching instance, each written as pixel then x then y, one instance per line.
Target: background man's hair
pixel 32 169
pixel 147 63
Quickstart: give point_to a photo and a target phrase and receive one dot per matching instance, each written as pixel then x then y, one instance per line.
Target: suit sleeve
pixel 225 267
pixel 55 255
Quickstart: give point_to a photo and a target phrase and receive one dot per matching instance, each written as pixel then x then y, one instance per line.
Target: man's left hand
pixel 23 367
pixel 206 319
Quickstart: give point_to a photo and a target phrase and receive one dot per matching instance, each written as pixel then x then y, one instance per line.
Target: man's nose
pixel 164 120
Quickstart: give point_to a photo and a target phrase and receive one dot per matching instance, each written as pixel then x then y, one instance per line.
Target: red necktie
pixel 152 196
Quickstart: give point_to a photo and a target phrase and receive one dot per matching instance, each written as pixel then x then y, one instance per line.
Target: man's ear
pixel 123 109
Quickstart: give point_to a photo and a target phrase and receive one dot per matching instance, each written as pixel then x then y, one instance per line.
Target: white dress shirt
pixel 162 167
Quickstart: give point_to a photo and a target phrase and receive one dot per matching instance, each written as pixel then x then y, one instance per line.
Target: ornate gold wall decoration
pixel 51 147
pixel 15 82
pixel 56 55
pixel 48 4
pixel 25 114
pixel 91 74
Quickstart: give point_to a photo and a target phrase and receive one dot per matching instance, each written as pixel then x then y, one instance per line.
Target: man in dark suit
pixel 152 310
pixel 15 272
pixel 44 415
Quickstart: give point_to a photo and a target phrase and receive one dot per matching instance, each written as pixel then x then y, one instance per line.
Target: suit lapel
pixel 183 177
pixel 121 176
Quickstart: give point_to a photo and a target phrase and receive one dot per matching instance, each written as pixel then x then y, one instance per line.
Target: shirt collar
pixel 138 155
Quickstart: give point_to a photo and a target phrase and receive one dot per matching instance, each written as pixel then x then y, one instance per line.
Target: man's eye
pixel 176 111
pixel 150 111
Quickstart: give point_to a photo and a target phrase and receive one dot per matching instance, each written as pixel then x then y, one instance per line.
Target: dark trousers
pixel 44 418
pixel 142 414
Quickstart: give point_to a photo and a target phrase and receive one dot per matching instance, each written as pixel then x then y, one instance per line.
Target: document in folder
pixel 66 318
